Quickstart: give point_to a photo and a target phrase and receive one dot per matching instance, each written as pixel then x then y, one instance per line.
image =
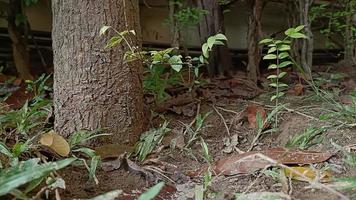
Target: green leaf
pixel 211 41
pixel 220 36
pixel 218 43
pixel 289 31
pixel 283 55
pixel 273 85
pixel 113 41
pixel 271 50
pixel 104 29
pixel 280 94
pixel 282 85
pixel 205 50
pixel 152 192
pixel 284 47
pixel 299 28
pixel 112 195
pixel 272 66
pixel 284 64
pixel 5 150
pixel 87 151
pixel 264 41
pixel 27 171
pixel 176 62
pixel 93 166
pixel 298 35
pixel 282 74
pixel 269 57
pixel 272 76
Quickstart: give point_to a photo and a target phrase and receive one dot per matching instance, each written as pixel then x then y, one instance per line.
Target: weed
pixel 278 51
pixel 149 140
pixel 308 138
pixel 24 120
pixel 164 68
pixel 197 128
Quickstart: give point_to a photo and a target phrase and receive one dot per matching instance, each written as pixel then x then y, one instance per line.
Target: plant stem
pixel 277 88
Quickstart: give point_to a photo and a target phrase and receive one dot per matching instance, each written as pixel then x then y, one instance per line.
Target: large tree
pixel 93 87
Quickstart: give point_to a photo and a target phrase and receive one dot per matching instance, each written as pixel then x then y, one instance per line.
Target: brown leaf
pixel 297 90
pixel 18 98
pixel 17 82
pixel 249 162
pixel 251 112
pixel 56 143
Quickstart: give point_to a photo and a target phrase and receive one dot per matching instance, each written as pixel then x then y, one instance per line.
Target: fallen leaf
pixel 56 143
pixel 17 82
pixel 250 162
pixel 309 173
pixel 297 90
pixel 19 97
pixel 251 112
pixel 230 143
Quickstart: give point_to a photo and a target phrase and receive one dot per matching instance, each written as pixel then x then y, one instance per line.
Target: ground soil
pixel 214 132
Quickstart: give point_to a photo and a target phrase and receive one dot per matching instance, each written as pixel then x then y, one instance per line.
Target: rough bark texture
pixel 19 47
pixel 220 59
pixel 254 35
pixel 306 57
pixel 350 47
pixel 93 87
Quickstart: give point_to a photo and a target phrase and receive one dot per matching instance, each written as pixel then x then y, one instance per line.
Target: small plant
pixel 278 52
pixel 308 138
pixel 149 140
pixel 194 132
pixel 261 124
pixel 24 120
pixel 39 87
pixel 201 190
pixel 164 68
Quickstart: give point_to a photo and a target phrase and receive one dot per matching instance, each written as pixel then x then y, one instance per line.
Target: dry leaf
pixel 249 162
pixel 56 143
pixel 297 90
pixel 293 172
pixel 251 112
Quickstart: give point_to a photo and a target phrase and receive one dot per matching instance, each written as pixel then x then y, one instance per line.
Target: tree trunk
pixel 350 47
pixel 19 48
pixel 254 35
pixel 306 57
pixel 174 25
pixel 93 87
pixel 220 61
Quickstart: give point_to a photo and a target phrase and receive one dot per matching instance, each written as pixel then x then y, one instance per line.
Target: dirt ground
pixel 303 114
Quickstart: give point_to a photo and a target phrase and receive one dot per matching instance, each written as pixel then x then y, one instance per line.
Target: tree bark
pixel 93 87
pixel 19 47
pixel 254 35
pixel 220 61
pixel 350 47
pixel 307 44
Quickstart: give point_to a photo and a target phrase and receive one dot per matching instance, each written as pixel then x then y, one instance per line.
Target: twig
pixel 223 119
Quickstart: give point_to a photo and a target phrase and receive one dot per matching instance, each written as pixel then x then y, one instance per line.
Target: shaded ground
pixel 303 113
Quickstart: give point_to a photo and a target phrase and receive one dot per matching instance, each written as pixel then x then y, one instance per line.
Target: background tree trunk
pixel 254 35
pixel 306 57
pixel 350 47
pixel 220 61
pixel 93 87
pixel 19 45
